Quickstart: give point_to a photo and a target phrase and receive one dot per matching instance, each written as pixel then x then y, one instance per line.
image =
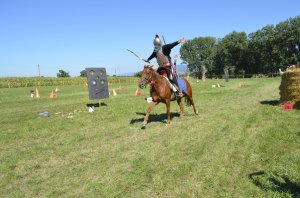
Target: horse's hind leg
pixel 180 106
pixel 193 104
pixel 189 97
pixel 152 105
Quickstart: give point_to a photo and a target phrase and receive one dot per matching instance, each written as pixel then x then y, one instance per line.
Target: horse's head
pixel 146 76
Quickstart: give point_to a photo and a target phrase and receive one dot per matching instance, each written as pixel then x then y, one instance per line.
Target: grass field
pixel 240 145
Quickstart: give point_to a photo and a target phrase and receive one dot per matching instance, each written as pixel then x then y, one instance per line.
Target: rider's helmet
pixel 157 43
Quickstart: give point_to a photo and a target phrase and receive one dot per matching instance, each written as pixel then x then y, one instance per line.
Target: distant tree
pixel 263 51
pixel 83 73
pixel 63 74
pixel 199 53
pixel 203 71
pixel 288 38
pixel 137 74
pixel 274 47
pixel 231 51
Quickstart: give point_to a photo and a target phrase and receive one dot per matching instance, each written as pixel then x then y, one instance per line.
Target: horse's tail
pixel 188 94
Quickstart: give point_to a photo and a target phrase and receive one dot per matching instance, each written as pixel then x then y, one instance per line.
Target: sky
pixel 75 34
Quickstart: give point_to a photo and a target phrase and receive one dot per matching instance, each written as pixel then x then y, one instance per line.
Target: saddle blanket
pixel 181 84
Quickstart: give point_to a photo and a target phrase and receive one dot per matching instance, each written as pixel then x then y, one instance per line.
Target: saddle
pixel 173 87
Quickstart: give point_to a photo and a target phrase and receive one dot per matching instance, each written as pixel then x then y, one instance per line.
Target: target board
pixel 97 83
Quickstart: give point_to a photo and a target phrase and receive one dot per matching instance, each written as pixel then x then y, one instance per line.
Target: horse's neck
pixel 159 87
pixel 159 80
pixel 156 76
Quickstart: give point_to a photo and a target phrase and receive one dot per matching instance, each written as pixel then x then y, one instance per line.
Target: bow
pixel 138 56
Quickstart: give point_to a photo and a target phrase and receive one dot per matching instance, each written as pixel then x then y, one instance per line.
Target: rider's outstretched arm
pixel 153 55
pixel 168 47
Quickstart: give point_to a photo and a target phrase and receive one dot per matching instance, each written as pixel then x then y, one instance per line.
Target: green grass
pixel 240 145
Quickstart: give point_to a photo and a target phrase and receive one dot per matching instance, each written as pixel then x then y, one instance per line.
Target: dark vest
pixel 162 59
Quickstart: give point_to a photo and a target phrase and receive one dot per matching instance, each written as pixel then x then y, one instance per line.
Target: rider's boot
pixel 179 93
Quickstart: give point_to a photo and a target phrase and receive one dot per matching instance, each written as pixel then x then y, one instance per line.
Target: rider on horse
pixel 162 55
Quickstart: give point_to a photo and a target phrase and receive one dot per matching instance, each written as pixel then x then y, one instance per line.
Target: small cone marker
pixel 37 93
pixel 53 95
pixel 137 93
pixel 114 93
pixel 56 89
pixel 32 93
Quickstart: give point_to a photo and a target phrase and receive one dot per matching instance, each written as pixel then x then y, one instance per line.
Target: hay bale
pixel 242 85
pixel 120 88
pixel 290 86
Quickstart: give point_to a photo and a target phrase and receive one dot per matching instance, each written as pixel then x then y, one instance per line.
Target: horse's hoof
pixel 143 126
pixel 196 113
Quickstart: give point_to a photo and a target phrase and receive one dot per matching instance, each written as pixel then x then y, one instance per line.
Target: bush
pixel 83 73
pixel 63 74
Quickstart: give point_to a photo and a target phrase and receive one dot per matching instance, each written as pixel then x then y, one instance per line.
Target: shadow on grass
pixel 270 102
pixel 297 105
pixel 96 104
pixel 276 103
pixel 275 183
pixel 154 117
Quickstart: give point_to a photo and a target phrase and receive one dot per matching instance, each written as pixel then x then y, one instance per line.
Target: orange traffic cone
pixel 37 93
pixel 114 93
pixel 53 95
pixel 137 93
pixel 56 89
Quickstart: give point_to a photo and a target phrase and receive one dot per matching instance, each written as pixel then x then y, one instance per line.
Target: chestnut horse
pixel 160 92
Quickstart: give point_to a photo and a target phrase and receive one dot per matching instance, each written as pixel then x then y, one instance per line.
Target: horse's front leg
pixel 168 111
pixel 152 105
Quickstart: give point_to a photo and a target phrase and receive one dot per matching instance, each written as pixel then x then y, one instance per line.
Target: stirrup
pixel 178 94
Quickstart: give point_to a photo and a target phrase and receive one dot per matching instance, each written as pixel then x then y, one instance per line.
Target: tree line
pixel 260 52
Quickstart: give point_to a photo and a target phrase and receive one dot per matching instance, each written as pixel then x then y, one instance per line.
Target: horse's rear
pixel 189 95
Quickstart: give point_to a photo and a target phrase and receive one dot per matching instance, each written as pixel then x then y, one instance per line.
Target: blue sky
pixel 72 35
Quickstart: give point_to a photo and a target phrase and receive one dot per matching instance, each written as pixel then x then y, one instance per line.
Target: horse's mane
pixel 149 67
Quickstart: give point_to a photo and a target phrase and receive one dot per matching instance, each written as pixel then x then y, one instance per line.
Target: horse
pixel 160 92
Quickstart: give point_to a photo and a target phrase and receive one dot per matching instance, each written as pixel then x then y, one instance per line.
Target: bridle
pixel 149 79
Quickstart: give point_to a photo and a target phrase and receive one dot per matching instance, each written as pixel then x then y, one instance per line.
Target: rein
pixel 150 80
